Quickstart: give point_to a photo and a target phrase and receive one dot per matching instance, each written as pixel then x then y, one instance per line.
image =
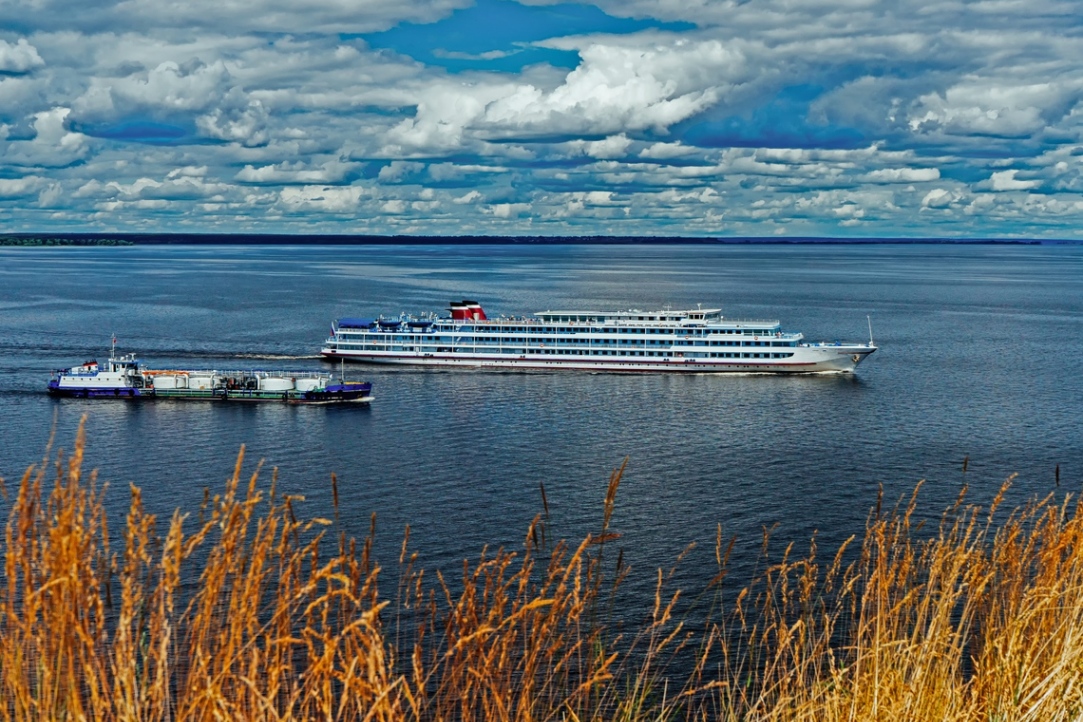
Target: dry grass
pixel 245 614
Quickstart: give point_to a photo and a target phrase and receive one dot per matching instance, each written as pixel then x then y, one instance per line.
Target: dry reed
pixel 244 614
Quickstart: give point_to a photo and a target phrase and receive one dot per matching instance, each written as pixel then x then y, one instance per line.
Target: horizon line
pixel 247 238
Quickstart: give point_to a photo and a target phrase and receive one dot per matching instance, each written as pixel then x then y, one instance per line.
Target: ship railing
pixel 747 321
pixel 259 373
pixel 268 373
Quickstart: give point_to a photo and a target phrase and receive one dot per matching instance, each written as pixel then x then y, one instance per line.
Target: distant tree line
pixel 129 239
pixel 62 241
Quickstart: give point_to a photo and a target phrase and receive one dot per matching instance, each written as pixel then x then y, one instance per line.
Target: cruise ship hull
pixel 811 360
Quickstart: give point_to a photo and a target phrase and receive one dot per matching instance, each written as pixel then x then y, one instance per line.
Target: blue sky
pixel 878 118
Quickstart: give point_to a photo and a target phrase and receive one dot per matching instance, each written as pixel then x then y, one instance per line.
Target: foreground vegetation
pixel 245 611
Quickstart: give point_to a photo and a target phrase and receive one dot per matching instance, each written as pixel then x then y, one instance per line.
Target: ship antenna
pixel 870 330
pixel 113 348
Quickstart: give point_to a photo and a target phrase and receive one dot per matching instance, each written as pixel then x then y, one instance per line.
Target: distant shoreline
pixel 233 239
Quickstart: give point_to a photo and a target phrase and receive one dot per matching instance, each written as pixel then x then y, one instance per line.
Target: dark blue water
pixel 981 350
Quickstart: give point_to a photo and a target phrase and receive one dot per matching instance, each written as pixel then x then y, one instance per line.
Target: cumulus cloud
pixel 296 173
pixel 321 199
pixel 171 86
pixel 939 198
pixel 989 108
pixel 667 151
pixel 755 118
pixel 176 187
pixel 20 57
pixel 51 196
pixel 52 144
pixel 509 210
pixel 270 16
pixel 615 146
pixel 247 125
pixel 617 87
pixel 468 198
pixel 20 187
pixel 1005 180
pixel 188 171
pixel 904 175
pixel 398 170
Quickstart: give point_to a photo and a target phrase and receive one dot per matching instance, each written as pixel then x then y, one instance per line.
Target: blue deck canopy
pixel 356 323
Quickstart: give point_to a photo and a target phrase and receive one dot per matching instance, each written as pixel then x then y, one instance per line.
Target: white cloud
pixel 1005 180
pixel 178 187
pixel 20 187
pixel 509 210
pixel 667 151
pixel 904 175
pixel 51 196
pixel 247 125
pixel 266 16
pixel 618 87
pixel 296 173
pixel 188 171
pixel 938 198
pixel 398 170
pixel 773 115
pixel 52 145
pixel 321 199
pixel 469 198
pixel 171 86
pixel 989 107
pixel 615 146
pixel 19 58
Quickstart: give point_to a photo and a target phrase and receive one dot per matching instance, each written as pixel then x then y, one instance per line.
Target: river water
pixel 981 358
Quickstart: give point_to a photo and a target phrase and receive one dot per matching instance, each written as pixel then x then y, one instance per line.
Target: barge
pixel 125 377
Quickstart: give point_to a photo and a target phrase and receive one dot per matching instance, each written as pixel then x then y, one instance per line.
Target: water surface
pixel 980 358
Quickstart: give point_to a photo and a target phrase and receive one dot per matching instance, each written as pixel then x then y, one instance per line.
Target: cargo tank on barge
pixel 125 377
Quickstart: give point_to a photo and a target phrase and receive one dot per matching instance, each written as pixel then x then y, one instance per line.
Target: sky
pixel 770 118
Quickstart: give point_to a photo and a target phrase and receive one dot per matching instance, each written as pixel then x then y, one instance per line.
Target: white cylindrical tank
pixel 165 382
pixel 308 384
pixel 276 383
pixel 201 383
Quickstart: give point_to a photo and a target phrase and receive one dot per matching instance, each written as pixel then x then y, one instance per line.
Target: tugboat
pixel 124 377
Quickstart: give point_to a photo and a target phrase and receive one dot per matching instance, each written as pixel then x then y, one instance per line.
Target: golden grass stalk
pixel 245 614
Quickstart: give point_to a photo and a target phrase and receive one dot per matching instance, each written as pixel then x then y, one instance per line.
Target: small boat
pixel 125 377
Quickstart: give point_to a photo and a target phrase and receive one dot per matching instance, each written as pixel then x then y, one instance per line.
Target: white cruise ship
pixel 697 341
